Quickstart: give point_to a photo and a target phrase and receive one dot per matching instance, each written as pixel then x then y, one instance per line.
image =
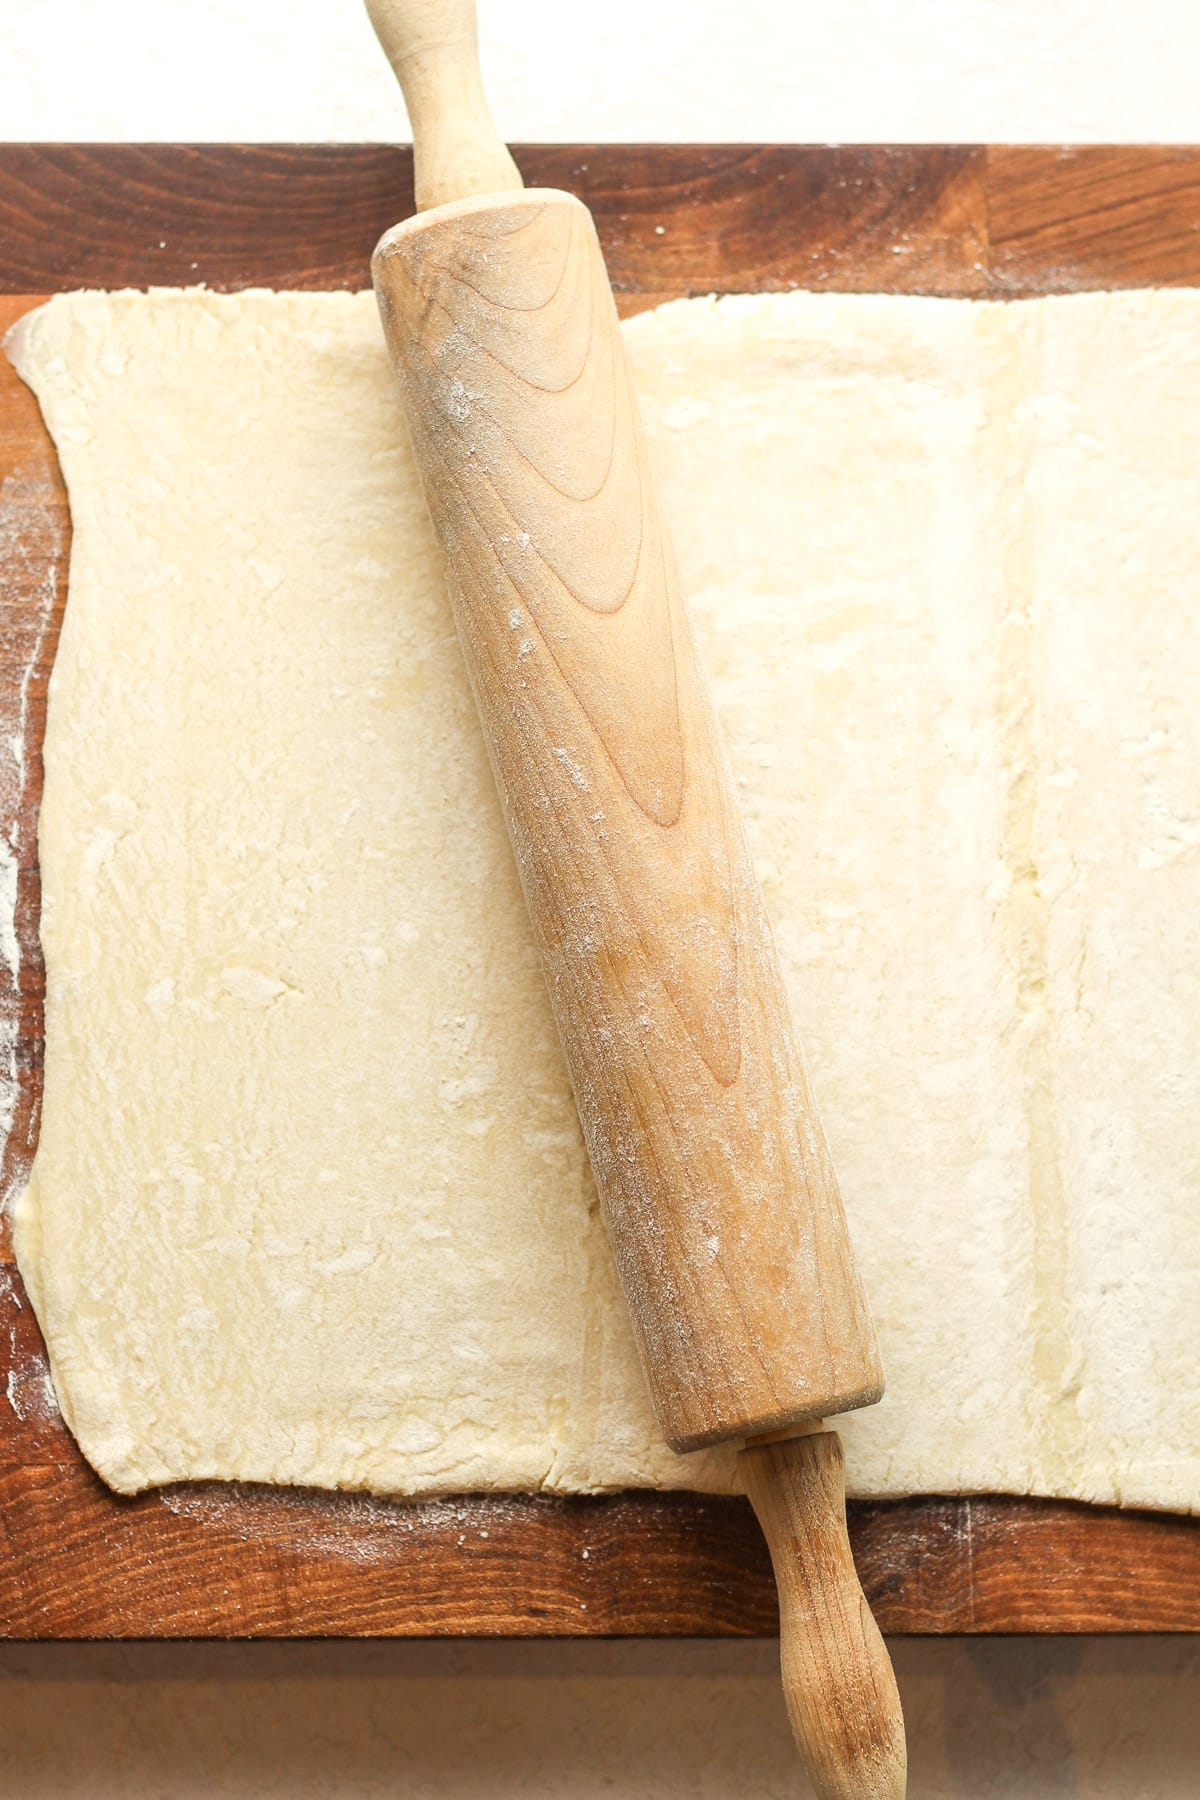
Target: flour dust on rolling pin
pixel 722 1206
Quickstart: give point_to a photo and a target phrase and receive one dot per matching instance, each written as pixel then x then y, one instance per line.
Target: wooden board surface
pixel 76 1561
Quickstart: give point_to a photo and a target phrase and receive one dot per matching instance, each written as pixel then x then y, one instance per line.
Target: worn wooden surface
pixel 75 1561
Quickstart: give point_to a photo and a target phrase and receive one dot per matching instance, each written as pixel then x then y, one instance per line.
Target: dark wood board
pixel 76 1561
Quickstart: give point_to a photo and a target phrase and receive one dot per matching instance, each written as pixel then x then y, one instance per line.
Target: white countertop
pixel 848 71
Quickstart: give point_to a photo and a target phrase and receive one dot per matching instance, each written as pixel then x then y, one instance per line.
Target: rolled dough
pixel 310 1202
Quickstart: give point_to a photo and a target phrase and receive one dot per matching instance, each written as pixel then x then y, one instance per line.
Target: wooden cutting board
pixel 76 1561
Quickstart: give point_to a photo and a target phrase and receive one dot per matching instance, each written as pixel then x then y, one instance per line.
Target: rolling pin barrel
pixel 711 1165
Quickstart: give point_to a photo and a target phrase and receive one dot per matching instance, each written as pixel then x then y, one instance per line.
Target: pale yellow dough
pixel 310 1203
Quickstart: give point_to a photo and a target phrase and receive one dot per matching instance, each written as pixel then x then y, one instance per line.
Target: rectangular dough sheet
pixel 310 1203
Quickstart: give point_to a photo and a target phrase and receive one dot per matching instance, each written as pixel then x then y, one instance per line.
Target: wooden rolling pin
pixel 712 1169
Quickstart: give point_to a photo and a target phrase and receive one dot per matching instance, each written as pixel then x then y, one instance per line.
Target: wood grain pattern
pixel 713 1172
pixel 75 1561
pixel 254 215
pixel 921 219
pixel 1069 219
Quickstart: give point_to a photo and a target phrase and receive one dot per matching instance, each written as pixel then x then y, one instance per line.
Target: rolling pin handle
pixel 837 1675
pixel 433 48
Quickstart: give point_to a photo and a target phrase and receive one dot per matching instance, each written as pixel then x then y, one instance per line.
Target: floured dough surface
pixel 310 1202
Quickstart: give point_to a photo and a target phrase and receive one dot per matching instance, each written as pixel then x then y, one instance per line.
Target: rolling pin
pixel 712 1169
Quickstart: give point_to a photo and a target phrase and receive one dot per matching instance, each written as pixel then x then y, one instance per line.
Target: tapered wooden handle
pixel 837 1675
pixel 432 46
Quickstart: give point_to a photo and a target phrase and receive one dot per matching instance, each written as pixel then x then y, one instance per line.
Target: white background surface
pixel 1004 1720
pixel 570 71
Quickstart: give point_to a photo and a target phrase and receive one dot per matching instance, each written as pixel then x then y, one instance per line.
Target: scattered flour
pixel 29 524
pixel 27 1386
pixel 357 1528
pixel 32 546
